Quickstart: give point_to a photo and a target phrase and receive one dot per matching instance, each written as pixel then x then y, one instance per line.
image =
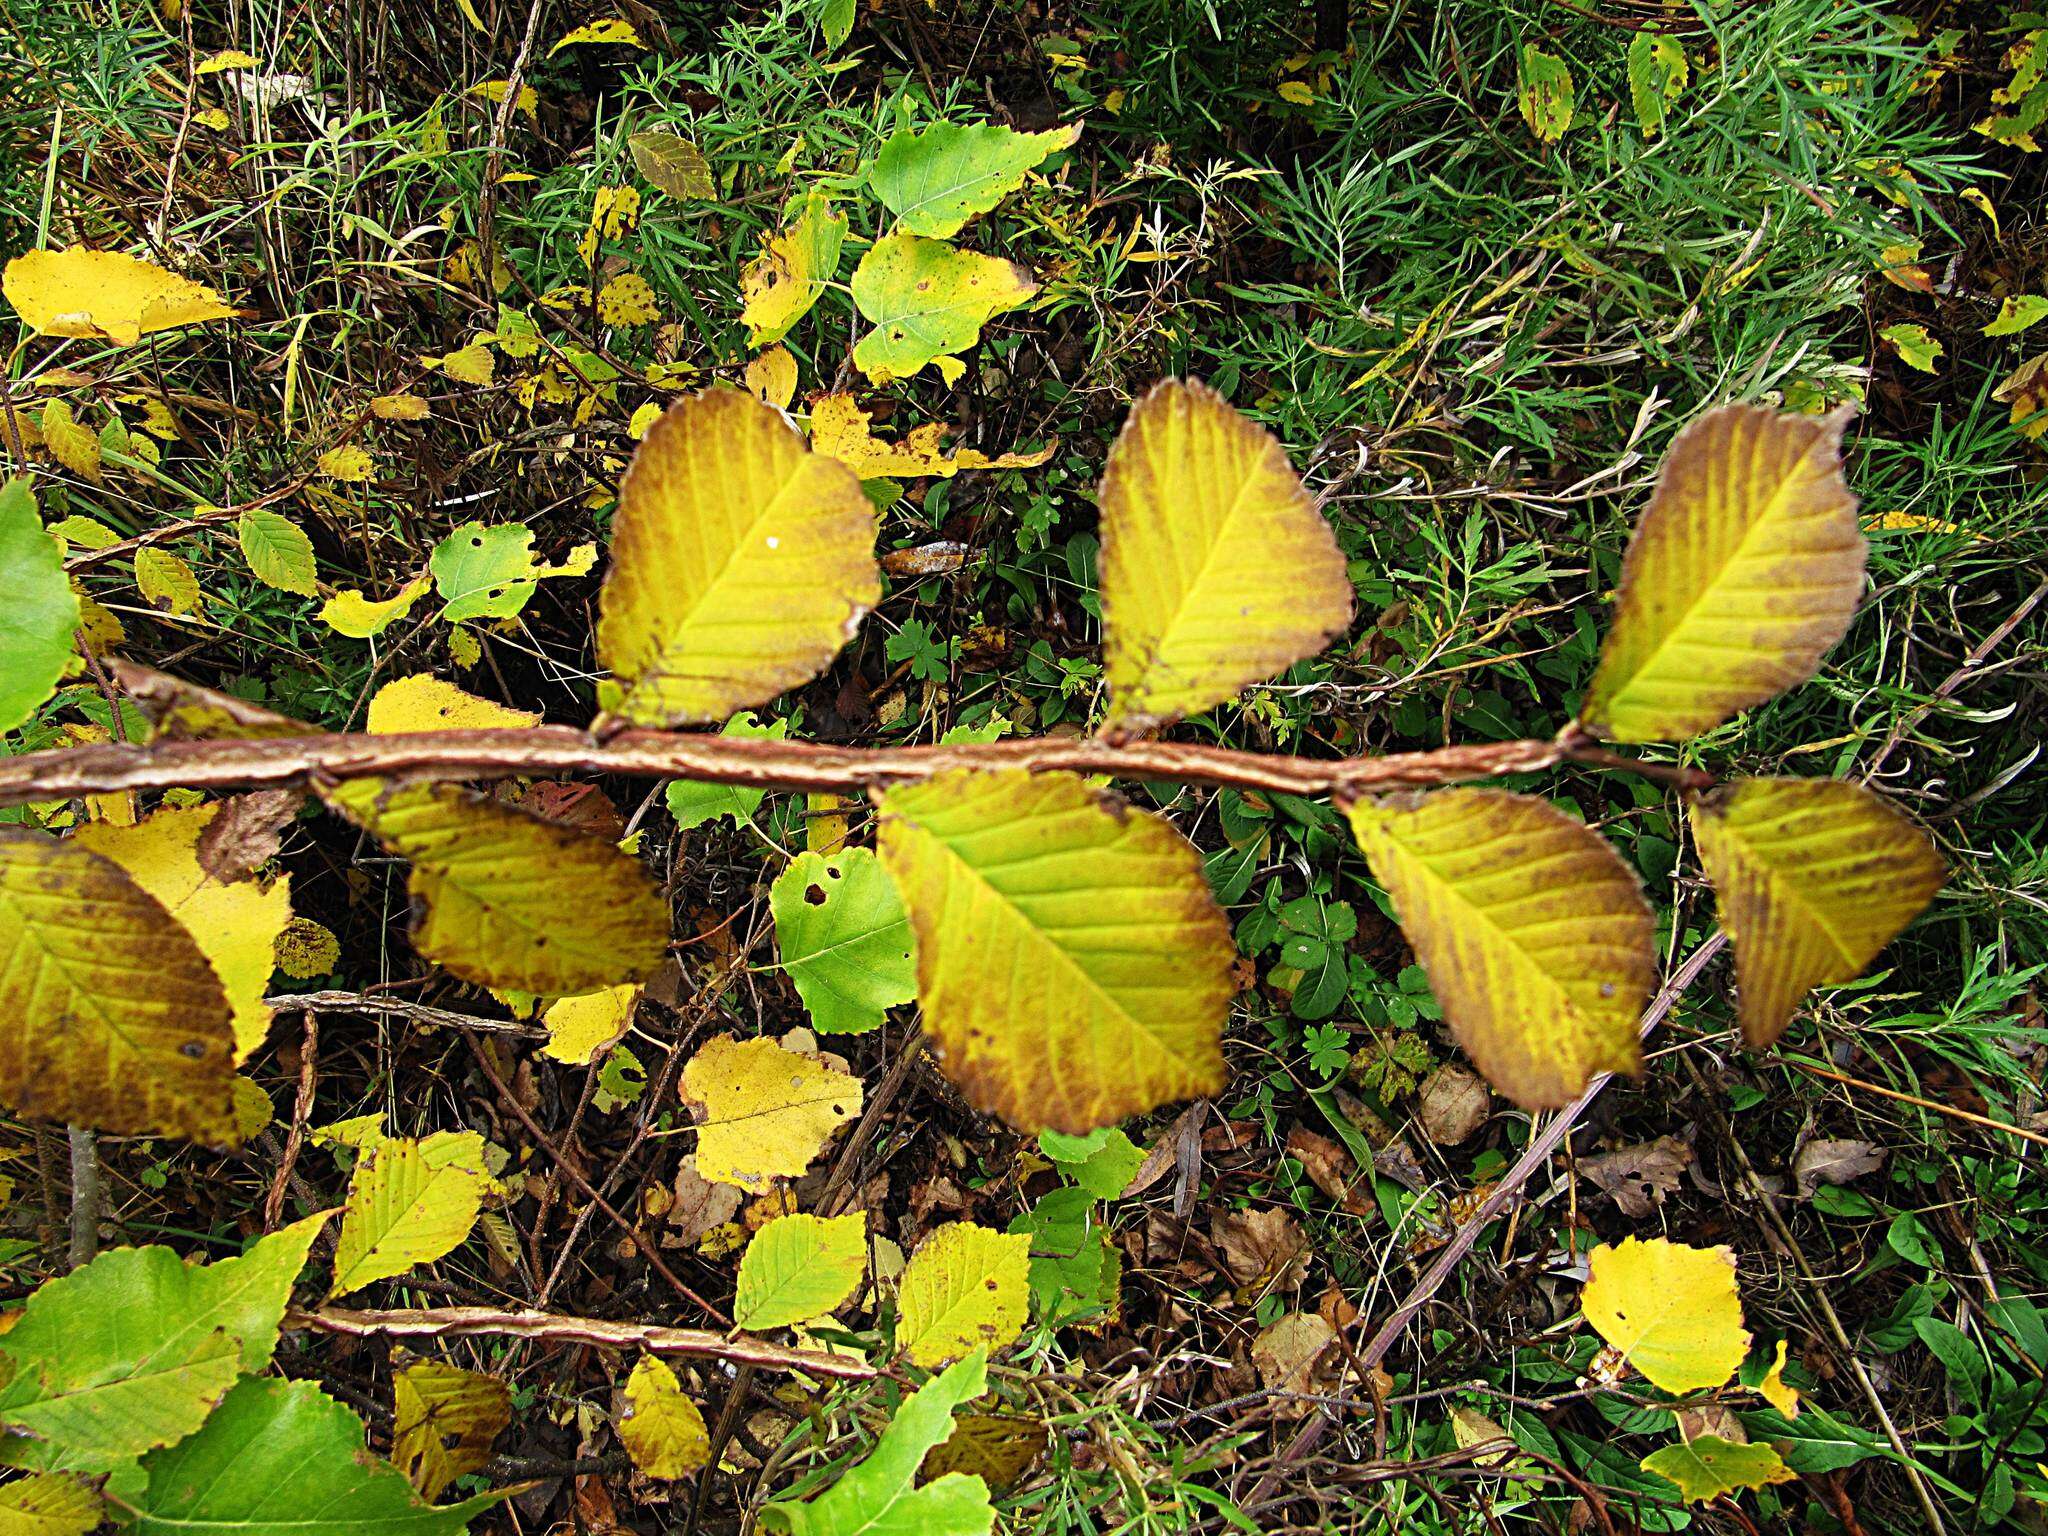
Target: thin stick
pixel 1917 1102
pixel 554 1327
pixel 85 1196
pixel 302 1110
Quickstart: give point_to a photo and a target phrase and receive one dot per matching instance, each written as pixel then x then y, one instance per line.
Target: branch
pixel 553 1327
pixel 545 751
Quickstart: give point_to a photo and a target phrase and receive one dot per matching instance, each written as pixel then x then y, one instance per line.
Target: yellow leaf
pixel 741 563
pixel 766 1111
pixel 643 420
pixel 613 30
pixel 166 582
pixel 1709 1467
pixel 1298 92
pixel 225 60
pixel 78 292
pixel 928 300
pixel 443 1422
pixel 115 1017
pixel 1671 1310
pixel 771 379
pixel 825 823
pixel 965 1288
pixel 797 1268
pixel 236 924
pixel 253 1109
pixel 1777 1391
pixel 425 703
pixel 471 365
pixel 839 427
pixel 401 407
pixel 305 949
pixel 1534 934
pixel 1073 967
pixel 614 212
pixel 505 899
pixel 672 163
pixel 405 1208
pixel 582 1026
pixel 627 300
pixel 1742 573
pixel 347 463
pixel 494 91
pixel 1217 569
pixel 50 1504
pixel 663 1430
pixel 350 613
pixel 1814 877
pixel 781 284
pixel 71 444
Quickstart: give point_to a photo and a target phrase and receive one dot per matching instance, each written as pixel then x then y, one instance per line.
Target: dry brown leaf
pixel 1454 1104
pixel 1639 1177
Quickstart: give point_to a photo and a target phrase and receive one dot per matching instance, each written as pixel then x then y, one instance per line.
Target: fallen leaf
pixel 1454 1103
pixel 1638 1178
pixel 1672 1311
pixel 662 1429
pixel 1822 1161
pixel 77 292
pixel 1289 1355
pixel 766 1112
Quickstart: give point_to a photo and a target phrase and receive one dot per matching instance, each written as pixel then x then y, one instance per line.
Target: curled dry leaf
pixel 1264 1250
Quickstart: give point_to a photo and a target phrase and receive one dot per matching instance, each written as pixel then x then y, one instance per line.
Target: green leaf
pixel 1073 967
pixel 928 301
pixel 38 609
pixel 1102 1162
pixel 133 1350
pixel 281 1458
pixel 877 1498
pixel 278 551
pixel 844 938
pixel 1544 93
pixel 484 572
pixel 1708 1467
pixel 1076 1272
pixel 1657 74
pixel 692 804
pixel 1916 349
pixel 800 1267
pixel 2017 313
pixel 935 181
pixel 835 21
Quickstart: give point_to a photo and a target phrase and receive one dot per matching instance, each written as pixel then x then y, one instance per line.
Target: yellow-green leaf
pixel 305 949
pixel 1657 75
pixel 1544 92
pixel 1534 934
pixel 1073 967
pixel 350 613
pixel 505 899
pixel 115 1018
pixel 1744 570
pixel 766 1111
pixel 408 1206
pixel 1916 348
pixel 1217 569
pixel 612 31
pixel 579 1027
pixel 1708 1467
pixel 443 1422
pixel 423 702
pixel 236 923
pixel 800 1267
pixel 781 284
pixel 934 181
pixel 1672 1311
pixel 1814 877
pixel 278 551
pixel 166 582
pixel 966 1287
pixel 662 1429
pixel 741 563
pixel 928 301
pixel 50 1504
pixel 77 292
pixel 2016 313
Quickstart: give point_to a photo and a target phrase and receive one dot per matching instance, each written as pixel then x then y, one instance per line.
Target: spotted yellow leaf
pixel 779 286
pixel 347 462
pixel 582 1026
pixel 423 702
pixel 839 427
pixel 1672 1311
pixel 77 292
pixel 627 299
pixel 1534 934
pixel 1709 1467
pixel 662 1429
pixel 1073 967
pixel 928 301
pixel 51 1504
pixel 166 582
pixel 443 1422
pixel 764 1111
pixel 1814 877
pixel 1217 569
pixel 771 379
pixel 1742 573
pixel 965 1288
pixel 741 563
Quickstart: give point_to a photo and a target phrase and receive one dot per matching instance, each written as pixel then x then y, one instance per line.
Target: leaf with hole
pixel 1813 877
pixel 779 286
pixel 741 563
pixel 1217 569
pixel 1073 968
pixel 1657 76
pixel 486 572
pixel 844 939
pixel 928 302
pixel 1742 573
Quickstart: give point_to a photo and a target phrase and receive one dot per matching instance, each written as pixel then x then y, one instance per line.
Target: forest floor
pixel 1475 345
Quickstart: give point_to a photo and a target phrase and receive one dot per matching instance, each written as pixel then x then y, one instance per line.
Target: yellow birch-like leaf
pixel 1742 573
pixel 505 899
pixel 662 1429
pixel 767 1111
pixel 166 582
pixel 1776 1390
pixel 236 924
pixel 580 1027
pixel 614 31
pixel 443 1422
pixel 50 1504
pixel 741 563
pixel 72 445
pixel 1533 932
pixel 1217 569
pixel 423 702
pixel 1073 967
pixel 123 298
pixel 800 1267
pixel 1671 1310
pixel 115 1018
pixel 966 1287
pixel 305 949
pixel 1814 877
pixel 406 1208
pixel 1707 1467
